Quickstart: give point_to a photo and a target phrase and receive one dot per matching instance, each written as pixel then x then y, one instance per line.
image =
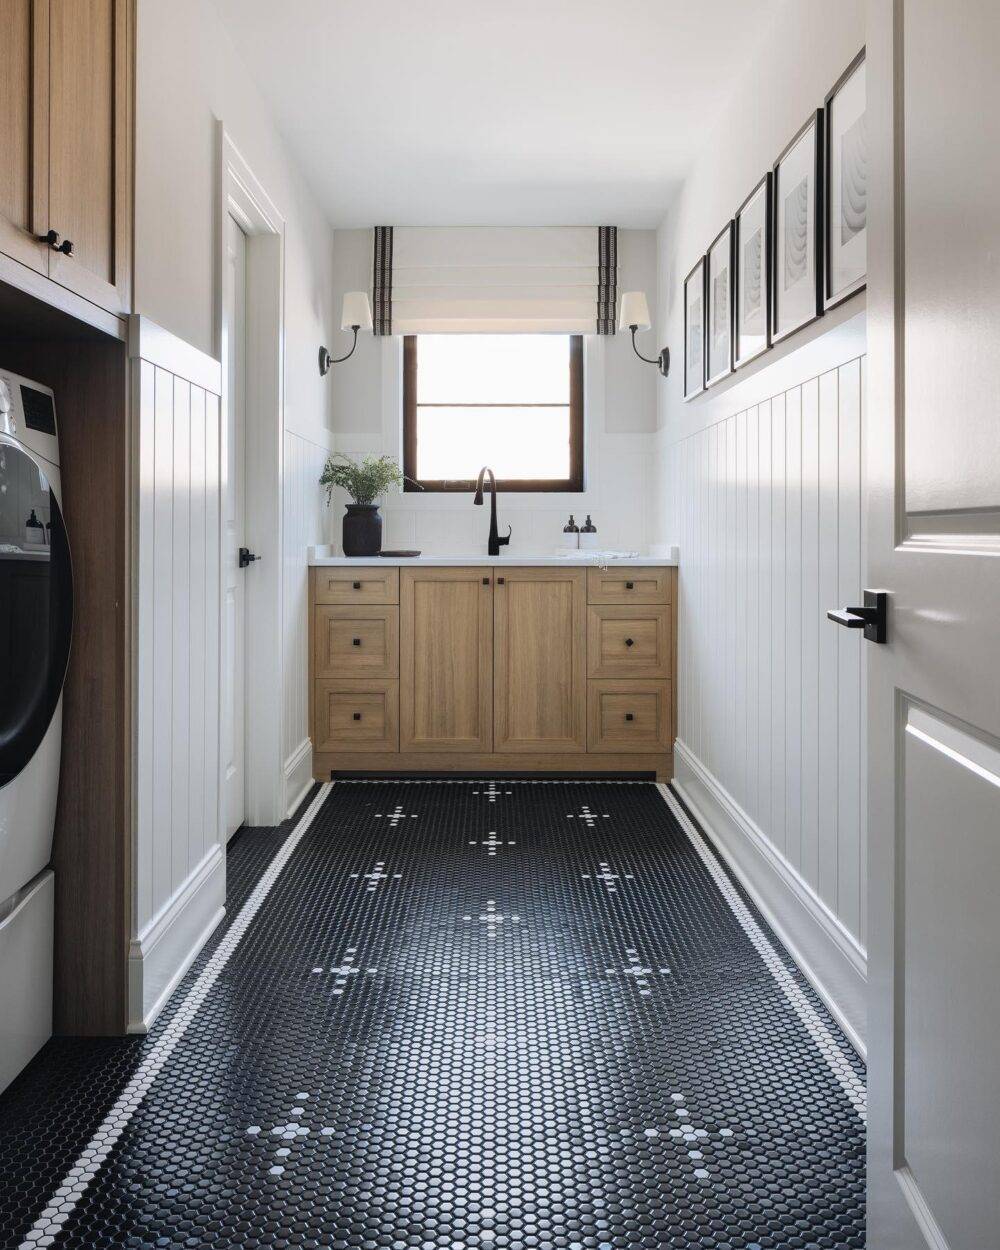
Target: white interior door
pixel 934 688
pixel 234 592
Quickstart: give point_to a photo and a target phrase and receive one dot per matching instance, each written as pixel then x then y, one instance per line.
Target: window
pixel 511 401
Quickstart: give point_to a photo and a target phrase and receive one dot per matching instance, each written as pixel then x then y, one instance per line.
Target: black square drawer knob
pixel 630 585
pixel 629 716
pixel 357 715
pixel 356 641
pixel 500 581
pixel 486 581
pixel 357 585
pixel 629 642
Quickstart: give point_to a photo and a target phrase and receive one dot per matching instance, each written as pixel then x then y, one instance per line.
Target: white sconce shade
pixel 634 311
pixel 356 311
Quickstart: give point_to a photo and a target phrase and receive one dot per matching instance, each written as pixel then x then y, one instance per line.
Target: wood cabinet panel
pixel 539 683
pixel 629 716
pixel 629 585
pixel 367 585
pixel 24 136
pixel 356 715
pixel 358 641
pixel 446 659
pixel 89 147
pixel 628 642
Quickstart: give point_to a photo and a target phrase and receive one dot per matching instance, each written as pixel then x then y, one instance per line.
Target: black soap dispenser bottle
pixel 34 531
pixel 571 534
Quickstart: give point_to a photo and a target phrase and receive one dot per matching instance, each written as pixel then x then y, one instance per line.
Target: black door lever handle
pixel 872 617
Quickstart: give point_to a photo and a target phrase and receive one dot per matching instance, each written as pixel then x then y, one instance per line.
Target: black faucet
pixel 496 542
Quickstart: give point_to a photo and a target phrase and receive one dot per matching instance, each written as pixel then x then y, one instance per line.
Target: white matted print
pixel 694 331
pixel 847 176
pixel 797 254
pixel 719 324
pixel 752 273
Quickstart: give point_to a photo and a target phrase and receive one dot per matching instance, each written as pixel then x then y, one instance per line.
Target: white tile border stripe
pixel 817 1027
pixel 49 1224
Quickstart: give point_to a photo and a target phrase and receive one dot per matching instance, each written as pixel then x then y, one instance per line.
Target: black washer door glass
pixel 36 608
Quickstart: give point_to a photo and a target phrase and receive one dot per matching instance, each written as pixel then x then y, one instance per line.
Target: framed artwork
pixel 719 307
pixel 797 232
pixel 694 331
pixel 752 274
pixel 846 182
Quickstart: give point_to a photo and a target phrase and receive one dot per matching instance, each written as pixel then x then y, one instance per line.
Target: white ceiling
pixel 462 112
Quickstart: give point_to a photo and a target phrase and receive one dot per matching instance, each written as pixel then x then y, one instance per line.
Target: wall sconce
pixel 635 316
pixel 356 314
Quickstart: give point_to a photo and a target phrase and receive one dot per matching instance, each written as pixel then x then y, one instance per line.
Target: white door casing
pixel 233 530
pixel 933 471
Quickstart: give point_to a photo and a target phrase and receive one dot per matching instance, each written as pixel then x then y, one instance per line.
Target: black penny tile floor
pixel 462 1015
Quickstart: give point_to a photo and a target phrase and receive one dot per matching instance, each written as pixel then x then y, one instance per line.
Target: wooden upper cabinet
pixel 446 659
pixel 89 165
pixel 24 131
pixel 540 673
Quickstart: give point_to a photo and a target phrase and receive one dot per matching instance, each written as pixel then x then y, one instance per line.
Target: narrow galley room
pixel 490 497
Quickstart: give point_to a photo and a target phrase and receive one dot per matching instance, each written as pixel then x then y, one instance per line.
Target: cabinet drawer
pixel 629 716
pixel 367 585
pixel 628 642
pixel 356 642
pixel 629 585
pixel 356 715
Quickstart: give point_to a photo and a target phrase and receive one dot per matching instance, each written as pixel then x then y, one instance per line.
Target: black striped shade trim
pixel 382 281
pixel 607 278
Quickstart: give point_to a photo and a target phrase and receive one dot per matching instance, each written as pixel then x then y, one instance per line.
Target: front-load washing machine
pixel 36 611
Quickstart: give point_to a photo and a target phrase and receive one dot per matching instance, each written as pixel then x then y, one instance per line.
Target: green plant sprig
pixel 363 480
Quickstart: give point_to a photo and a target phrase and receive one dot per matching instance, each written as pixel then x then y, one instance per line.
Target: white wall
pixel 620 403
pixel 760 481
pixel 189 76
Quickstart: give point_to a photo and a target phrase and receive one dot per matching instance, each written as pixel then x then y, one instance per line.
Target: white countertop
pixel 595 559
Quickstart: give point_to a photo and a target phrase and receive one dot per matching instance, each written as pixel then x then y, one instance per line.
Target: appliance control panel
pixel 28 414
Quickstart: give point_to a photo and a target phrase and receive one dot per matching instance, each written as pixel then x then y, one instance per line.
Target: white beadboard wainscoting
pixel 304 524
pixel 178 858
pixel 764 489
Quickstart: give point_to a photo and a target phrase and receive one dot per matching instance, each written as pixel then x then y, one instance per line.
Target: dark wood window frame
pixel 574 483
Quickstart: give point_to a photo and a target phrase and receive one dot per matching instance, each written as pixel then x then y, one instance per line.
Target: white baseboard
pixel 159 957
pixel 829 956
pixel 298 775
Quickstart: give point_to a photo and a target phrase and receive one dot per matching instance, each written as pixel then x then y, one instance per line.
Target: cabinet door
pixel 89 147
pixel 446 659
pixel 24 97
pixel 540 677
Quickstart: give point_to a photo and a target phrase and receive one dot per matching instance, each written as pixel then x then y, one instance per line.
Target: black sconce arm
pixel 662 361
pixel 326 360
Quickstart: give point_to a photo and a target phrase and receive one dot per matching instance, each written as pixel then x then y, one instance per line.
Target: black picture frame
pixel 725 239
pixel 779 334
pixel 832 298
pixel 741 358
pixel 700 265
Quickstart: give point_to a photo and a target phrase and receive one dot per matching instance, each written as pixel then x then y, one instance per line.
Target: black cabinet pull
pixel 500 581
pixel 629 642
pixel 357 715
pixel 486 581
pixel 630 585
pixel 356 642
pixel 357 585
pixel 66 247
pixel 51 237
pixel 629 716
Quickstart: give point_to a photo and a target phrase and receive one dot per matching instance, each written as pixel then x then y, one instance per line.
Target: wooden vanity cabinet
pixel 66 149
pixel 491 668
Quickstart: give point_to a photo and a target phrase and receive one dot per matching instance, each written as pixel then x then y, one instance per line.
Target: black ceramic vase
pixel 362 530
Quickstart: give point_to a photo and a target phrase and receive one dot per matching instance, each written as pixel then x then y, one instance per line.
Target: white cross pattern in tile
pixel 638 971
pixel 696 1139
pixel 396 815
pixel 376 877
pixel 607 878
pixel 345 969
pixel 493 918
pixel 492 793
pixel 292 1133
pixel 586 815
pixel 492 843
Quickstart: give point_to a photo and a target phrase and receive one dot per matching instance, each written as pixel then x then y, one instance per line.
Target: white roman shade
pixel 495 280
